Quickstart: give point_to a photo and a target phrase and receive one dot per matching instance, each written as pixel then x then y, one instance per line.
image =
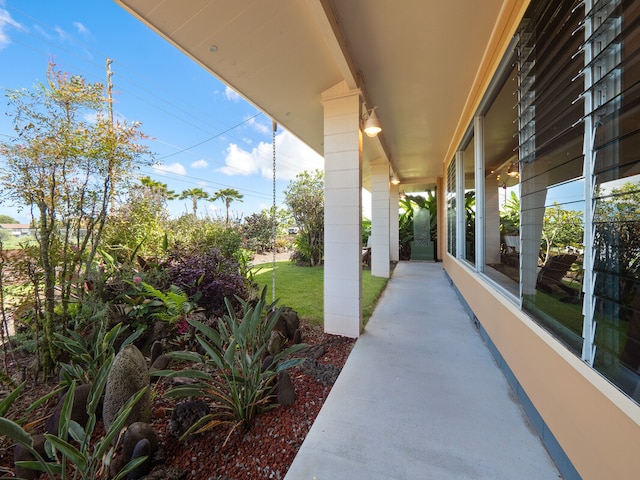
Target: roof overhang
pixel 422 63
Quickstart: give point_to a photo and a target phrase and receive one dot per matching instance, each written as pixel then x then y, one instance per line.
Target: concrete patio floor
pixel 421 397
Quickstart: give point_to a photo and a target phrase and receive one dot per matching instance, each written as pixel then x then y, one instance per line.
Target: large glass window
pixel 502 186
pixel 615 92
pixel 469 202
pixel 577 169
pixel 551 110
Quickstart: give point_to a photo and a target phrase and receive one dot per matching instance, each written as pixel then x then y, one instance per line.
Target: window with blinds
pixel 613 73
pixel 551 135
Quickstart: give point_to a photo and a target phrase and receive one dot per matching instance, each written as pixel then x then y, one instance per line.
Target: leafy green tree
pixel 65 164
pixel 617 234
pixel 259 228
pixel 510 216
pixel 227 195
pixel 8 219
pixel 408 206
pixel 561 228
pixel 305 198
pixel 140 222
pixel 194 194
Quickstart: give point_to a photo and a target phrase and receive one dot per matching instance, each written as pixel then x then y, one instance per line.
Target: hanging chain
pixel 274 226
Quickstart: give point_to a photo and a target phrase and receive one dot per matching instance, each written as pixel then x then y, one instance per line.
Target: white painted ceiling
pixel 416 60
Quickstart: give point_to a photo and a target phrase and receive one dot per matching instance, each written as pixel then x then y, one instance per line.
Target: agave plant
pixel 235 383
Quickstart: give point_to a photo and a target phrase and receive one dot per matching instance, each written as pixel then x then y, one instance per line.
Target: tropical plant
pixel 138 225
pixel 86 459
pixel 194 194
pixel 175 302
pixel 409 204
pixel 305 198
pixel 561 228
pixel 235 382
pixel 200 234
pixel 88 355
pixel 259 231
pixel 227 195
pixel 510 216
pixel 207 276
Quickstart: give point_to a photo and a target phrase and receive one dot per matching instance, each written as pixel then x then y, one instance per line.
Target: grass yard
pixel 302 288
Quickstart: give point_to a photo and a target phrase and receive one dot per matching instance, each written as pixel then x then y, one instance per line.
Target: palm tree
pixel 158 189
pixel 194 194
pixel 228 195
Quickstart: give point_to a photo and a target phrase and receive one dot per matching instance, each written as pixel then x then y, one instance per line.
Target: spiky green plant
pixel 88 354
pixel 235 384
pixel 89 460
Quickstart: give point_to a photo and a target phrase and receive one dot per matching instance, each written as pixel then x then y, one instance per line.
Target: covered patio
pixel 421 397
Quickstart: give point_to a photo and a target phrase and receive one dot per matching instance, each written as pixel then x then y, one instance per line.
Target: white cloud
pixel 231 95
pixel 82 30
pixel 292 157
pixel 259 127
pixel 202 163
pixel 175 168
pixel 62 33
pixel 5 22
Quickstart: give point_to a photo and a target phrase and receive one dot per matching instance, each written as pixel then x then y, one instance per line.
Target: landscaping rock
pixel 297 337
pixel 291 321
pixel 160 363
pixel 266 363
pixel 185 414
pixel 323 373
pixel 78 409
pixel 128 374
pixel 21 454
pixel 274 346
pixel 156 351
pixel 140 439
pixel 286 391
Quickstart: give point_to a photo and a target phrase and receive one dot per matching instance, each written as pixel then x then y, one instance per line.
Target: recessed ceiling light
pixel 213 48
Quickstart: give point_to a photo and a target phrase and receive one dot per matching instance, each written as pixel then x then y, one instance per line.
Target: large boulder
pixel 129 373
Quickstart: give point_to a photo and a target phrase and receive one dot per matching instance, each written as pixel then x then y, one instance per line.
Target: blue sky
pixel 202 132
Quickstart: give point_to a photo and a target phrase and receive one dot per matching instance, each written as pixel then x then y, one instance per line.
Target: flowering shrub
pixel 209 274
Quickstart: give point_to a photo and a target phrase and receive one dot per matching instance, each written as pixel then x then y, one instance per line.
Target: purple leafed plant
pixel 208 277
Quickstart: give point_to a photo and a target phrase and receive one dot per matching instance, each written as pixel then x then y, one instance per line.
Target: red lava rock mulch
pixel 264 452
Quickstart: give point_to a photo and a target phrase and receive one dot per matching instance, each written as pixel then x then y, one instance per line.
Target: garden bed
pixel 265 451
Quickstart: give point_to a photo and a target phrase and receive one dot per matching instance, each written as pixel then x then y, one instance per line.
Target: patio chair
pixel 554 270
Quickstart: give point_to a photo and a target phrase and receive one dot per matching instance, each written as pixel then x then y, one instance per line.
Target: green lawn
pixel 301 288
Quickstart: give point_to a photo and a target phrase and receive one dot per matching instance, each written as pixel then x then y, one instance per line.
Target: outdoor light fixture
pixel 395 180
pixel 513 170
pixel 371 123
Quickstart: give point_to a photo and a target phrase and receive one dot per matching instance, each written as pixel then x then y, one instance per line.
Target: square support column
pixel 342 212
pixel 394 223
pixel 380 239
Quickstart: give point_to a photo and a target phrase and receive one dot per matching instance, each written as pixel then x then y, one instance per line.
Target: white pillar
pixel 394 223
pixel 342 212
pixel 380 219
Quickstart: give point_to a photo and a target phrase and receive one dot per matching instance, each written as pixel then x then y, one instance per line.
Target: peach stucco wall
pixel 597 425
